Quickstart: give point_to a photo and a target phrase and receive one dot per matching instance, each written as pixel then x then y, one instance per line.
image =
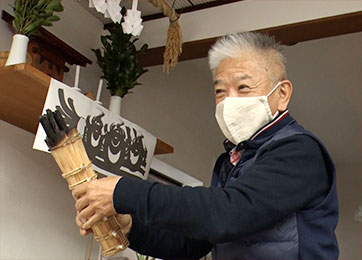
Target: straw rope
pixel 69 140
pixel 112 251
pixel 165 8
pixel 77 170
pixel 72 186
pixel 113 233
pixel 173 48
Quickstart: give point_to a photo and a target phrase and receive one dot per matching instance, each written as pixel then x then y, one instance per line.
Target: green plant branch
pixel 25 3
pixel 118 59
pixel 31 14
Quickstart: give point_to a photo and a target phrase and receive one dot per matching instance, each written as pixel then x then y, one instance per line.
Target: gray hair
pixel 236 44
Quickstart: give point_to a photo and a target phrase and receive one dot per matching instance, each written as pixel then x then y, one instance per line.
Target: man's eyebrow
pixel 217 81
pixel 243 77
pixel 246 76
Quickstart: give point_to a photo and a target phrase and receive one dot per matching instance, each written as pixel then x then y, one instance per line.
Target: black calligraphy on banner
pixel 109 146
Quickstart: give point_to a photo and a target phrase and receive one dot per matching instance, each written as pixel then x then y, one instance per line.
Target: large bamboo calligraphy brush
pixel 67 149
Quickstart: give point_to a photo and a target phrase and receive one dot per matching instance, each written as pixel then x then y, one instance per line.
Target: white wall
pixel 82 31
pixel 245 15
pixel 327 91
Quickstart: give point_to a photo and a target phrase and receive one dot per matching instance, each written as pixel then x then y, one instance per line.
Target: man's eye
pixel 219 91
pixel 243 87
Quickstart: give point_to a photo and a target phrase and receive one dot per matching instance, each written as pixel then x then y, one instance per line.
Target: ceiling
pixel 151 12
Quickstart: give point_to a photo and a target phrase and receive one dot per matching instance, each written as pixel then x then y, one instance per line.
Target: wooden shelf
pixel 23 90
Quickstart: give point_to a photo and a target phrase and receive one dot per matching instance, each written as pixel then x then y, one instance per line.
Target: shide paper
pixel 112 9
pixel 132 21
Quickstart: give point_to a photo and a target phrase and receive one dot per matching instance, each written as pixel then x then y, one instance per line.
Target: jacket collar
pixel 264 133
pixel 272 127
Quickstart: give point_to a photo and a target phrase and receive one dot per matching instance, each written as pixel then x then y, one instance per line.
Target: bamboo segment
pixel 73 160
pixel 76 168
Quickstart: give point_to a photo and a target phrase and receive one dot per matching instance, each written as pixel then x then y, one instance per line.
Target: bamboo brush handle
pixel 75 165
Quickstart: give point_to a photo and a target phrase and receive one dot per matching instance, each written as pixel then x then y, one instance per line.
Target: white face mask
pixel 240 117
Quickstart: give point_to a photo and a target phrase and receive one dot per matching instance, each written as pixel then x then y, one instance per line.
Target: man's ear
pixel 284 93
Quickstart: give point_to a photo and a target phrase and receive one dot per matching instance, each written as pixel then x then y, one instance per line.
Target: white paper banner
pixel 132 20
pixel 113 143
pixel 110 9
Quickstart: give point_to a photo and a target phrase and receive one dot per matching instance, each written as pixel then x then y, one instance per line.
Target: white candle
pixel 99 91
pixel 76 80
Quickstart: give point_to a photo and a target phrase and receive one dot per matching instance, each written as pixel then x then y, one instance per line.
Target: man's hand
pixel 94 200
pixel 82 232
pixel 125 222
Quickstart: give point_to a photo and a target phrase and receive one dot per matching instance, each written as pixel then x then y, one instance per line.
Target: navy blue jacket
pixel 278 202
pixel 308 232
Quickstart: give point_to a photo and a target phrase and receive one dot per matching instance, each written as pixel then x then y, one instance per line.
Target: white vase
pixel 18 50
pixel 115 105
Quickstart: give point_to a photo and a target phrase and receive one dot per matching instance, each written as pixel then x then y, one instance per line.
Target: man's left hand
pixel 94 200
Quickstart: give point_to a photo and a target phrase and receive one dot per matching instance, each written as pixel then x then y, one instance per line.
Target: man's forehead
pixel 242 63
pixel 235 78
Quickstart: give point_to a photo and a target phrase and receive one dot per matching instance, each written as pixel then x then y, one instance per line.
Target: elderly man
pixel 273 192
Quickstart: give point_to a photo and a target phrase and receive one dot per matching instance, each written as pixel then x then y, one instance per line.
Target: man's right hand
pixel 83 232
pixel 125 222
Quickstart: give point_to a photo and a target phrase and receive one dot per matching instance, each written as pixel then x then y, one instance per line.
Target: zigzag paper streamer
pixel 132 20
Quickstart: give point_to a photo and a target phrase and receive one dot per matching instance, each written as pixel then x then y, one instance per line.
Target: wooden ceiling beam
pixel 289 34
